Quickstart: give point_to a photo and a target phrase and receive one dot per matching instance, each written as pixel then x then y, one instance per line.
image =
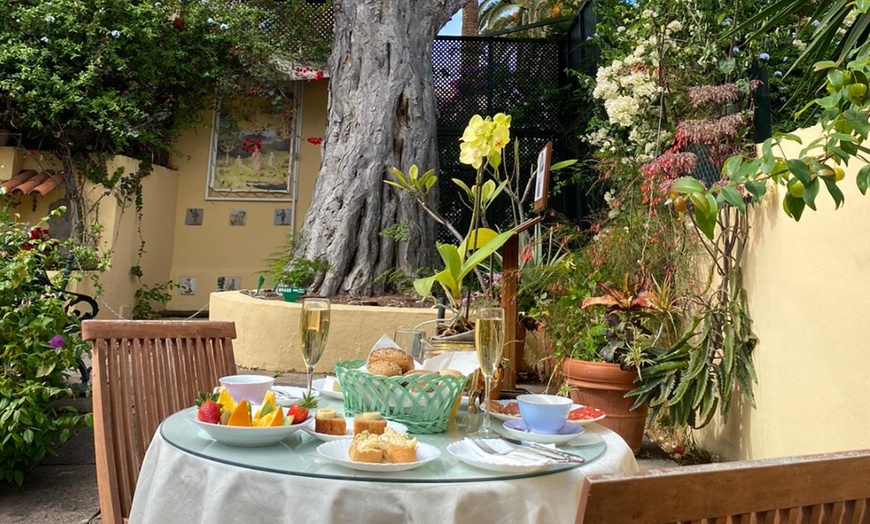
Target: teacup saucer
pixel 518 429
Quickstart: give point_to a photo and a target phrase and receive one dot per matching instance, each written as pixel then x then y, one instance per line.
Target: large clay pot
pixel 604 385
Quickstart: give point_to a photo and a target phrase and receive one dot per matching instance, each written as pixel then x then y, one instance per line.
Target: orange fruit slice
pixel 226 400
pixel 269 404
pixel 271 419
pixel 241 415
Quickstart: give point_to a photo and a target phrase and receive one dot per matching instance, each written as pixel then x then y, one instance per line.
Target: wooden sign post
pixel 511 265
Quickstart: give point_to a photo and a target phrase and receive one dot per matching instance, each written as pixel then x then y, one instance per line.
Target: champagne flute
pixel 313 328
pixel 489 343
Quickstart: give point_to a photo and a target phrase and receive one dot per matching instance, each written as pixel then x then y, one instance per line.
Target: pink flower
pixel 56 342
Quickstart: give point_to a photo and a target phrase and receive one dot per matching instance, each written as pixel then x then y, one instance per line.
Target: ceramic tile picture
pixel 238 217
pixel 186 286
pixel 282 217
pixel 193 217
pixel 229 283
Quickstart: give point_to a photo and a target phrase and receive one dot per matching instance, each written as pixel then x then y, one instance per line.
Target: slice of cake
pixel 365 447
pixel 329 422
pixel 398 448
pixel 372 422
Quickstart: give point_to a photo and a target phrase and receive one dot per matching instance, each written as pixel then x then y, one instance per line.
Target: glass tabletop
pixel 297 454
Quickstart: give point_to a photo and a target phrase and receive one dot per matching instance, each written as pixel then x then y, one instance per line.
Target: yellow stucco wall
pixel 268 330
pixel 120 229
pixel 809 297
pixel 216 249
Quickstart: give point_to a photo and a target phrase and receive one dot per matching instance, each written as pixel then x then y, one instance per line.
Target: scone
pixel 404 360
pixel 385 368
pixel 365 447
pixel 329 422
pixel 372 422
pixel 398 448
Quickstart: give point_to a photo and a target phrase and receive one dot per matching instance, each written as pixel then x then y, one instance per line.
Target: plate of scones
pixel 389 451
pixel 330 425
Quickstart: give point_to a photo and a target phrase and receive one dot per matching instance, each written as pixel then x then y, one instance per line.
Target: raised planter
pixel 604 385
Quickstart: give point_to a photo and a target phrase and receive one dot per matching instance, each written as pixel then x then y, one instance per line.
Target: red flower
pixel 178 24
pixel 249 145
pixel 316 140
pixel 319 75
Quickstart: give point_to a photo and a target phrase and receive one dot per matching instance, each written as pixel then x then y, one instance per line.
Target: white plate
pixel 246 436
pixel 336 451
pixel 518 462
pixel 518 429
pixel 401 428
pixel 320 385
pixel 502 416
pixel 288 395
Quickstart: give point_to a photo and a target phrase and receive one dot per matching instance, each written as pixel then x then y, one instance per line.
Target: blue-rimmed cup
pixel 544 413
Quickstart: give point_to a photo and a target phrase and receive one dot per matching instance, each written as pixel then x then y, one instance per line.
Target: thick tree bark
pixel 471 18
pixel 381 114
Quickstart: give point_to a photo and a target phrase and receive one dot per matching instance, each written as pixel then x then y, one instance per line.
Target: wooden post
pixel 510 266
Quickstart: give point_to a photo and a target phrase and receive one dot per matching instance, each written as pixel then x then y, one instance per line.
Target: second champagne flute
pixel 489 342
pixel 314 328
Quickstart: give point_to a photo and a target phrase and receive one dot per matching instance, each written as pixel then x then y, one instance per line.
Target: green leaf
pixel 756 189
pixel 726 67
pixel 484 236
pixel 733 197
pixel 824 64
pixel 399 176
pixel 412 173
pixel 706 222
pixel 732 165
pixel 687 185
pixel 452 259
pixel 563 164
pixel 794 207
pixel 483 252
pixel 811 191
pixel 864 179
pixel 767 158
pixel 792 137
pixel 859 122
pixel 464 187
pixel 835 192
pixel 799 169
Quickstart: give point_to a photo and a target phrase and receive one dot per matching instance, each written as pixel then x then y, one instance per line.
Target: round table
pixel 188 478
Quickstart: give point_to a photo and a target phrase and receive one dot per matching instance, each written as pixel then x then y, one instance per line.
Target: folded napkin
pixel 517 456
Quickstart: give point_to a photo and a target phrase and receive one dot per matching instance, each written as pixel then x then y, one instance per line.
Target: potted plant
pixel 293 275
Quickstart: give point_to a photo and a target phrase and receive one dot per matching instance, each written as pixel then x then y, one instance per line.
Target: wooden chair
pixel 826 488
pixel 143 371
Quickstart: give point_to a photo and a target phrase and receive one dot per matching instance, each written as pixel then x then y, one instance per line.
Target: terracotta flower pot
pixel 604 385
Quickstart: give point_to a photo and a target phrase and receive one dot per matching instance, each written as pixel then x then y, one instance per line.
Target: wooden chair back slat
pixel 830 488
pixel 143 372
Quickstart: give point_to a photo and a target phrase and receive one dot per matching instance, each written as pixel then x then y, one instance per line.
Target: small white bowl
pixel 250 387
pixel 544 413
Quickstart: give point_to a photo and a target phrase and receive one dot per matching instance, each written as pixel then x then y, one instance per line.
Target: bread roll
pixel 404 360
pixel 371 422
pixel 450 372
pixel 385 368
pixel 365 447
pixel 329 422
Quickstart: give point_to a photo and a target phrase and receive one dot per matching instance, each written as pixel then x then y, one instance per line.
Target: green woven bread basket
pixel 422 403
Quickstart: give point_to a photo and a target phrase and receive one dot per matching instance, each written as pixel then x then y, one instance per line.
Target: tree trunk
pixel 381 114
pixel 471 18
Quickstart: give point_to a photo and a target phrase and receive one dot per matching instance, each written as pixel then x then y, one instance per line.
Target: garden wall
pixel 809 297
pixel 268 330
pixel 216 249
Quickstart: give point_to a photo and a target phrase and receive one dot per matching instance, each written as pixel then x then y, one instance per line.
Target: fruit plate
pixel 247 436
pixel 336 451
pixel 518 429
pixel 288 395
pixel 519 462
pixel 502 416
pixel 401 428
pixel 324 387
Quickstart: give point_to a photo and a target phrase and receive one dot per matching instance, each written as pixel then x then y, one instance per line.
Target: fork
pixel 486 448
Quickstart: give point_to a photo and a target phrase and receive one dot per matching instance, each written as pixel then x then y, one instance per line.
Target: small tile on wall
pixel 282 216
pixel 193 216
pixel 186 286
pixel 238 217
pixel 229 283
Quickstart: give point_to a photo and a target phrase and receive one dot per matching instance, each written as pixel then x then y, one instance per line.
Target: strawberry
pixel 209 410
pixel 299 411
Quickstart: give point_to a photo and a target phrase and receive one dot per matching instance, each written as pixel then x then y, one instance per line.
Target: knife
pixel 562 455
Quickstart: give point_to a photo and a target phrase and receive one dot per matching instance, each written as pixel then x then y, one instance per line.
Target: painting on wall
pixel 229 283
pixel 238 217
pixel 186 286
pixel 193 217
pixel 282 217
pixel 253 150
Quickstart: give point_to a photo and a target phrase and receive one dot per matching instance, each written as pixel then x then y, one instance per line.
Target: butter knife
pixel 561 455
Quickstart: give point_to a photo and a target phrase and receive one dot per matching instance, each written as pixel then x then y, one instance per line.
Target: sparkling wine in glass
pixel 314 328
pixel 489 343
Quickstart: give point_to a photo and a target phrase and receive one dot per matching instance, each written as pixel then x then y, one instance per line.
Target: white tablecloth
pixel 178 487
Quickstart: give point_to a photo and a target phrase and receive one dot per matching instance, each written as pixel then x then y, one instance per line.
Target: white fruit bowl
pixel 247 436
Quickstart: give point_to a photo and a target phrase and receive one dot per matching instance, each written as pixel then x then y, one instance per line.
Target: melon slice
pixel 226 400
pixel 271 419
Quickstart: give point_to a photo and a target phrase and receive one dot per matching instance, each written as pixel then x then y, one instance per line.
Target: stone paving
pixel 63 489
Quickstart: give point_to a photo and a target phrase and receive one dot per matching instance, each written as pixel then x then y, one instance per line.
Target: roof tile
pixel 32 182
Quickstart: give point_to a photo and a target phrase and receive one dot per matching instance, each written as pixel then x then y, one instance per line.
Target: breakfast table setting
pixel 387 439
